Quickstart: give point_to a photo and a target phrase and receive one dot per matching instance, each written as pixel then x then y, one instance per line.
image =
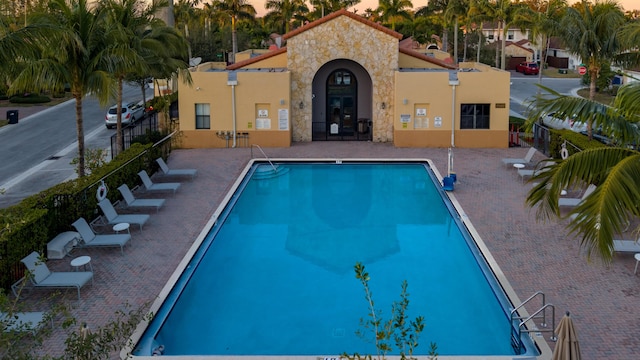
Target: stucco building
pixel 343 77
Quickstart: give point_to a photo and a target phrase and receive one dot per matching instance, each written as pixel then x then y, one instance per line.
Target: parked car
pixel 528 68
pixel 560 121
pixel 131 111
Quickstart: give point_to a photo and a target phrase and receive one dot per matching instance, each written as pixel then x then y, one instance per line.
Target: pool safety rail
pixel 263 154
pixel 518 323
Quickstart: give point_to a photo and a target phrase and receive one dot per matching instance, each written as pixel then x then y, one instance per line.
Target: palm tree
pixel 124 19
pixel 591 31
pixel 76 60
pixel 616 170
pixel 455 9
pixel 236 10
pixel 284 12
pixel 542 18
pixel 392 10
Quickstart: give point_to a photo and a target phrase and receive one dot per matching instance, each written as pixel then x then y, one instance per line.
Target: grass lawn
pixel 601 97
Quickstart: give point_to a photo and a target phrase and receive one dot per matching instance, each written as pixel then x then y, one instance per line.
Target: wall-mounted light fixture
pixel 281 101
pixel 405 101
pixel 301 105
pixel 383 106
pixel 198 88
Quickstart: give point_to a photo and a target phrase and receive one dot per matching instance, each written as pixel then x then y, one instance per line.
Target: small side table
pixel 518 166
pixel 121 227
pixel 82 261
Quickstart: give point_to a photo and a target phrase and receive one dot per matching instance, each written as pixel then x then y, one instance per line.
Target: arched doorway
pixel 342 102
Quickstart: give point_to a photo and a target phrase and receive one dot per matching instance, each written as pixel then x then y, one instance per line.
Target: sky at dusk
pixel 364 4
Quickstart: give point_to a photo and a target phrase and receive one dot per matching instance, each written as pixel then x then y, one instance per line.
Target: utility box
pixel 12 116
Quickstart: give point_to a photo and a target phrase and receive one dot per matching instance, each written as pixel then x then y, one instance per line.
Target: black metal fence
pixel 132 132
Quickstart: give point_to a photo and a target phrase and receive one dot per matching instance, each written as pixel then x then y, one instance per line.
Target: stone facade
pixel 376 51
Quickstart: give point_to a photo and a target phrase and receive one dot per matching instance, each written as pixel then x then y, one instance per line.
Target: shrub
pixel 29 99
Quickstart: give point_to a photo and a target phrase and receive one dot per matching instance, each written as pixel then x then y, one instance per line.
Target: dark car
pixel 528 68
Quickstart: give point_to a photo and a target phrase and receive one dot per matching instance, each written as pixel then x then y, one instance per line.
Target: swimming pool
pixel 273 273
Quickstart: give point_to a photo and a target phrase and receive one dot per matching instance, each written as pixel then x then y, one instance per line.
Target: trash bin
pixel 12 116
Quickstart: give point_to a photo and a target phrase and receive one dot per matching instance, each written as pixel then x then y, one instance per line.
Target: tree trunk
pixel 464 47
pixel 479 43
pixel 503 56
pixel 234 40
pixel 445 40
pixel 80 131
pixel 119 142
pixel 593 72
pixel 497 42
pixel 455 42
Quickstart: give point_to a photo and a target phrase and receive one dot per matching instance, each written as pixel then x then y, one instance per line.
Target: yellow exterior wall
pixel 431 91
pixel 250 97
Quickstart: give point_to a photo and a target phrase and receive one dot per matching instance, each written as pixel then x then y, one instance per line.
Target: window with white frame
pixel 490 36
pixel 474 116
pixel 203 116
pixel 511 35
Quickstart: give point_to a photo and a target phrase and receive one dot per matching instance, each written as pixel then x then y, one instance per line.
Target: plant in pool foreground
pixel 398 329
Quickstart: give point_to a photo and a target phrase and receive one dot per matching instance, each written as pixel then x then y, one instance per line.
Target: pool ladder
pixel 263 154
pixel 518 322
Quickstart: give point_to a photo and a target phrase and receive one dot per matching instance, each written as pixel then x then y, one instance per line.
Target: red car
pixel 528 68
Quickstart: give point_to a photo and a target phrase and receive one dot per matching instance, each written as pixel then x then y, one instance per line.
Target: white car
pixel 131 112
pixel 560 121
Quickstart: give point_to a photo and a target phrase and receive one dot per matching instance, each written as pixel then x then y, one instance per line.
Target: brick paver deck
pixel 603 300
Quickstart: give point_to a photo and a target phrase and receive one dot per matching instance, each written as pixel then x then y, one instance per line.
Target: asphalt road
pixel 37 152
pixel 524 88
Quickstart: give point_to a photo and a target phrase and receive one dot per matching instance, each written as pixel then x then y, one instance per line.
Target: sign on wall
pixel 262 123
pixel 421 120
pixel 437 121
pixel 283 119
pixel 263 113
pixel 405 118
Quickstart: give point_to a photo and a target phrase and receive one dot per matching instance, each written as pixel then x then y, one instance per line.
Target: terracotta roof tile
pixel 427 58
pixel 252 60
pixel 336 14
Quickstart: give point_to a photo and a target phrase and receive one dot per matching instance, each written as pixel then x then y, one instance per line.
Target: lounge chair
pixel 132 202
pixel 151 186
pixel 523 173
pixel 23 321
pixel 42 277
pixel 626 245
pixel 114 218
pixel 576 201
pixel 527 158
pixel 90 239
pixel 175 172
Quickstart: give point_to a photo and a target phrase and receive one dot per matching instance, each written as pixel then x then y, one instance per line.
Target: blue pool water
pixel 275 275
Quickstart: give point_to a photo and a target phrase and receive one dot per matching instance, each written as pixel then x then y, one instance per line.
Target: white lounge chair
pixel 175 172
pixel 90 239
pixel 23 321
pixel 151 186
pixel 527 158
pixel 132 202
pixel 42 277
pixel 114 218
pixel 576 201
pixel 523 173
pixel 626 245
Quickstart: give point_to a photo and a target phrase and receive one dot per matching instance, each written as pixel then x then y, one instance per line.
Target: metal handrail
pixel 553 322
pixel 265 156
